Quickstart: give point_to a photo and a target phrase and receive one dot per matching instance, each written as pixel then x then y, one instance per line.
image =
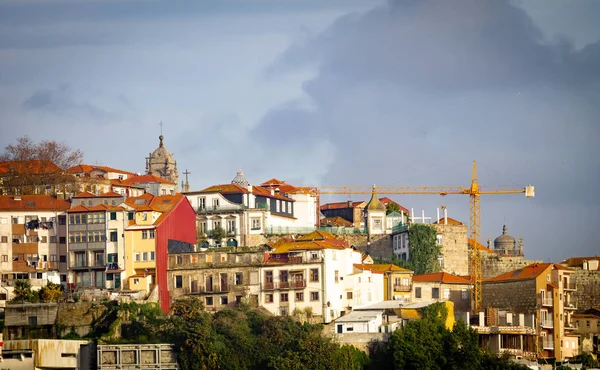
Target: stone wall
pixel 588 289
pixel 19 314
pixel 455 249
pixel 516 296
pixel 493 265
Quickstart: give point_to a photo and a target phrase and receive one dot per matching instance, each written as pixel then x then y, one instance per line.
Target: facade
pixel 220 279
pixel 442 287
pixel 317 272
pixel 32 240
pixel 350 211
pixel 153 184
pixel 545 290
pixel 363 321
pixel 162 164
pixel 47 354
pixel 157 220
pixel 397 281
pixel 29 177
pixel 96 244
pixel 587 326
pixel 245 212
pixel 100 179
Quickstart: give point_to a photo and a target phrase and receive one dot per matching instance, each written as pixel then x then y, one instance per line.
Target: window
pixel 268 298
pixel 230 226
pixel 130 216
pixel 376 224
pixel 299 297
pixel 283 297
pixel 224 300
pixel 314 275
pixel 62 220
pixel 239 278
pixel 144 234
pixel 314 256
pixel 178 281
pixel 110 277
pixel 4 239
pixel 144 216
pixel 113 215
pixel 337 276
pixel 216 225
pixel 277 205
pixel 349 295
pixel 5 258
pixel 63 240
pixel 209 301
pixel 314 296
pixel 179 260
pixel 151 234
pixel 446 293
pixel 418 292
pixel 62 258
pixel 137 257
pixel 587 324
pixel 113 236
pixel 439 239
pixel 202 203
pixel 32 320
pixel 256 224
pixel 44 239
pixel 435 293
pixel 215 203
pixel 151 256
pixel 144 256
pixel 3 220
pixel 52 239
pixel 464 293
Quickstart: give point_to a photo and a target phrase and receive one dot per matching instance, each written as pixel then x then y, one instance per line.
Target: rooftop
pixel 32 202
pixel 528 272
pixel 440 277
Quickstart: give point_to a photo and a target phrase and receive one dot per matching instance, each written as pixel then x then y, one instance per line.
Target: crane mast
pixel 474 191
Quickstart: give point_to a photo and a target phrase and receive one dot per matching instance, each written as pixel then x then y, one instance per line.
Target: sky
pixel 339 92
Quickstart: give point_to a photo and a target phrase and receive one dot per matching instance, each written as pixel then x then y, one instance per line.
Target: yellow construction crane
pixel 474 192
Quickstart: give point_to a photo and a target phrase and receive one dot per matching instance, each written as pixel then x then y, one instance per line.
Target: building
pixel 162 164
pixel 156 221
pixel 413 311
pixel 137 356
pixel 100 179
pixel 318 273
pixel 442 287
pixel 397 281
pixel 375 212
pixel 41 354
pixel 247 212
pixel 221 279
pixel 544 290
pixel 29 177
pixel 29 320
pixel 360 322
pixel 32 239
pixel 350 211
pixel 587 326
pixel 96 243
pixel 506 333
pixel 152 184
pixel 306 210
pixel 505 245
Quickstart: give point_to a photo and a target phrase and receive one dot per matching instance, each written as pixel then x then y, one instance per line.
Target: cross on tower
pixel 161 124
pixel 186 173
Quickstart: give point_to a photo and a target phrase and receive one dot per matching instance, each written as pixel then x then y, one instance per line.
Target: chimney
pixel 272 191
pixel 250 189
pixel 17 197
pixel 349 204
pixel 60 196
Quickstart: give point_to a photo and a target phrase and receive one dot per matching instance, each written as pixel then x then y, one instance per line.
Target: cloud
pixel 418 85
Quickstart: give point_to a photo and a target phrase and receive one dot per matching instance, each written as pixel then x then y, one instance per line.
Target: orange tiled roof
pixel 35 167
pixel 85 194
pixel 385 201
pixel 451 221
pixel 97 208
pixel 306 245
pixel 479 246
pixel 124 183
pixel 528 272
pixel 317 235
pixel 578 261
pixel 336 221
pixel 87 168
pixel 342 205
pixel 146 179
pixel 285 187
pixel 33 202
pixel 381 268
pixel 440 277
pixel 236 189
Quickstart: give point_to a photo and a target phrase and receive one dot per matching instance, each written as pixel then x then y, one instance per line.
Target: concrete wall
pixel 18 314
pixel 51 353
pixel 515 296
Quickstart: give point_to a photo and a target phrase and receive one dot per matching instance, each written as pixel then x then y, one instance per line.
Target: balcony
pixel 548 302
pixel 269 286
pixel 295 260
pixel 402 288
pixel 298 284
pixel 572 285
pixel 548 323
pixel 570 306
pixel 548 344
pixel 284 285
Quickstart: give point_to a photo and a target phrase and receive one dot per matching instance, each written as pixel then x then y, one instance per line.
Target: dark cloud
pixel 420 87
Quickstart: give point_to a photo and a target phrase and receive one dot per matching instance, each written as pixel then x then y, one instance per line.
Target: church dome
pixel 162 164
pixel 161 153
pixel 239 179
pixel 505 241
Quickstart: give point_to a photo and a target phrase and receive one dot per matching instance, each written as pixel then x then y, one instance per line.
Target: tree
pixel 51 292
pixel 423 250
pixel 391 208
pixel 24 294
pixel 217 234
pixel 30 166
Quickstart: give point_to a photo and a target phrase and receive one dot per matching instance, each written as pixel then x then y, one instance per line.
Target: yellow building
pixel 397 281
pixel 412 311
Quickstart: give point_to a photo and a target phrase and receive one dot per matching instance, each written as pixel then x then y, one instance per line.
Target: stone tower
pixel 161 163
pixel 375 220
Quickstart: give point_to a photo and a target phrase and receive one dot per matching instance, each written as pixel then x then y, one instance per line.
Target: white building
pixel 247 212
pixel 316 272
pixel 32 232
pixel 360 322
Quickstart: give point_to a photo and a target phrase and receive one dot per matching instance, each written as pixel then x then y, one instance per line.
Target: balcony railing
pixel 402 288
pixel 547 302
pixel 295 260
pixel 229 208
pixel 298 284
pixel 572 285
pixel 548 323
pixel 269 286
pixel 548 344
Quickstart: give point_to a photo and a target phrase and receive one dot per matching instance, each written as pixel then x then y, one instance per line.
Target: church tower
pixel 161 163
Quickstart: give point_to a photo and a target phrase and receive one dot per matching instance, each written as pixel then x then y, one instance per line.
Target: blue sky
pixel 328 93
